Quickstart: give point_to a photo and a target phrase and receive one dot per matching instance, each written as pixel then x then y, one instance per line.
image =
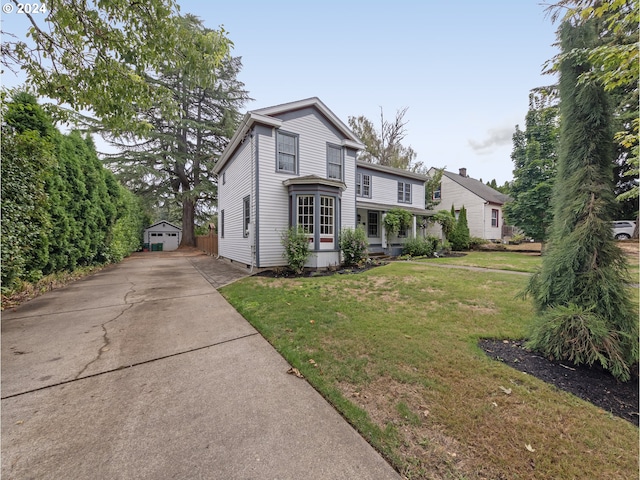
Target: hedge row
pixel 61 208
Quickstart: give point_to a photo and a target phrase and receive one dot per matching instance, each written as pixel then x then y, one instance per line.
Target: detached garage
pixel 163 236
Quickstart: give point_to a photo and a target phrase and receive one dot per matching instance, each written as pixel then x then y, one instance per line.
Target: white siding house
pixel 296 164
pixel 483 203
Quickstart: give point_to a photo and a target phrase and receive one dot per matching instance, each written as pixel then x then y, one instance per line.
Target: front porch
pixel 370 216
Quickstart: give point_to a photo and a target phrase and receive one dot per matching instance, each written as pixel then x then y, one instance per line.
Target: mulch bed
pixel 592 384
pixel 285 272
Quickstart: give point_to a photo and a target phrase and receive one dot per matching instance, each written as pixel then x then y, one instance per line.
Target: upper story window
pixel 287 152
pixel 437 193
pixel 363 185
pixel 334 162
pixel 404 192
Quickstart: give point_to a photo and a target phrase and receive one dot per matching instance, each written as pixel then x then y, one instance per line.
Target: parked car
pixel 623 229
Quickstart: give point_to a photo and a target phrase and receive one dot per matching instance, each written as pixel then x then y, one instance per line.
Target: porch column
pixel 384 232
pixel 415 231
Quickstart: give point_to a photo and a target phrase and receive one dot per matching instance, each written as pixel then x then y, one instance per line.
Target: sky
pixel 463 69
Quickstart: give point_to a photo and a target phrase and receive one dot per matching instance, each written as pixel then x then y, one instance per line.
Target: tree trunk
pixel 188 230
pixel 635 230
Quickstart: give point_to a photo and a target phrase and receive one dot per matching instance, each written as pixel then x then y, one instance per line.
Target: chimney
pixel 463 172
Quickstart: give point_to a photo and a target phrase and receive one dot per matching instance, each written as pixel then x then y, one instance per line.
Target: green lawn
pixel 514 261
pixel 395 350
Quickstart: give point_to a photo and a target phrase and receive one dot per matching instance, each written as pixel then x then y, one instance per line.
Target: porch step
pixel 379 256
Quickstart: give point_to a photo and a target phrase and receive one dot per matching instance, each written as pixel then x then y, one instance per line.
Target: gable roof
pixel 392 170
pixel 267 116
pixel 165 222
pixel 478 188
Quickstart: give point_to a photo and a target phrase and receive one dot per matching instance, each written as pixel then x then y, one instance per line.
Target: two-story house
pixel 296 164
pixel 483 203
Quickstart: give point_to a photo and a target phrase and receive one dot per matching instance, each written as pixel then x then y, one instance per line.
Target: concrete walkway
pixel 144 371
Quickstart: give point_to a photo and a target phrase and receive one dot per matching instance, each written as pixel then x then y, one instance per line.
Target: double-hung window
pixel 437 193
pixel 287 153
pixel 372 224
pixel 363 185
pixel 305 213
pixel 326 215
pixel 404 192
pixel 494 217
pixel 246 215
pixel 222 223
pixel 334 162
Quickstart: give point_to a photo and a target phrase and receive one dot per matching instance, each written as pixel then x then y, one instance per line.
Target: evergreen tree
pixel 586 312
pixel 174 162
pixel 534 158
pixel 27 156
pixel 460 236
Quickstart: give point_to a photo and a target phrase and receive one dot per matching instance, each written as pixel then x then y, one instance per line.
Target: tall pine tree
pixel 534 158
pixel 586 313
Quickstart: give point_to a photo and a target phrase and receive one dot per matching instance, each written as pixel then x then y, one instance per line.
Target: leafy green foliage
pixel 96 55
pixel 296 248
pixel 460 236
pixel 616 66
pixel 172 165
pixel 446 221
pixel 583 265
pixel 420 247
pixel 60 208
pixel 534 157
pixel 354 245
pixel 396 219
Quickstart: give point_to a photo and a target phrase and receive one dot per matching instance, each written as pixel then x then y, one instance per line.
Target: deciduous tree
pixel 94 56
pixel 384 146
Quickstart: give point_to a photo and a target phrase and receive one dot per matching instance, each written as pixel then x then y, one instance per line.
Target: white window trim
pixel 295 154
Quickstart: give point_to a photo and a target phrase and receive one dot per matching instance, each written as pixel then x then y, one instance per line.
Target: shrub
pixel 580 336
pixel 354 245
pixel 394 220
pixel 296 248
pixel 446 221
pixel 421 247
pixel 460 236
pixel 475 242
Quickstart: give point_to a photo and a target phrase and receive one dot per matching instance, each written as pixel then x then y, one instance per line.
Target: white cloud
pixel 495 138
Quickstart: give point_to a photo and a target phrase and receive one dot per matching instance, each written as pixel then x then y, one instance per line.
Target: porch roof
pixel 385 207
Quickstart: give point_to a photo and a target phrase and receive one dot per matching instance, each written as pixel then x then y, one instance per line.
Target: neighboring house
pixel 296 165
pixel 164 233
pixel 483 203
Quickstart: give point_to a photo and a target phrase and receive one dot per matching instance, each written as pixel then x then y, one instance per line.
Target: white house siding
pixel 273 201
pixel 492 233
pixel 314 133
pixel 238 180
pixel 384 189
pixel 454 194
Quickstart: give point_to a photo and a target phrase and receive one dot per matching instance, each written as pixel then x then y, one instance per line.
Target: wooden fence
pixel 207 243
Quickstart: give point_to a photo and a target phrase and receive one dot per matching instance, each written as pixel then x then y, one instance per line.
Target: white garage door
pixel 169 240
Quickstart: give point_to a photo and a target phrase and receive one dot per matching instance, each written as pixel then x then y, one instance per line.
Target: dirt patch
pixel 404 407
pixel 593 384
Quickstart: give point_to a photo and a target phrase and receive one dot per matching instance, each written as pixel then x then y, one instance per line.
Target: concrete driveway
pixel 144 371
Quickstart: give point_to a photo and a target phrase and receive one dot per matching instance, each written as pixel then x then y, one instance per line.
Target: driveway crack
pixel 106 341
